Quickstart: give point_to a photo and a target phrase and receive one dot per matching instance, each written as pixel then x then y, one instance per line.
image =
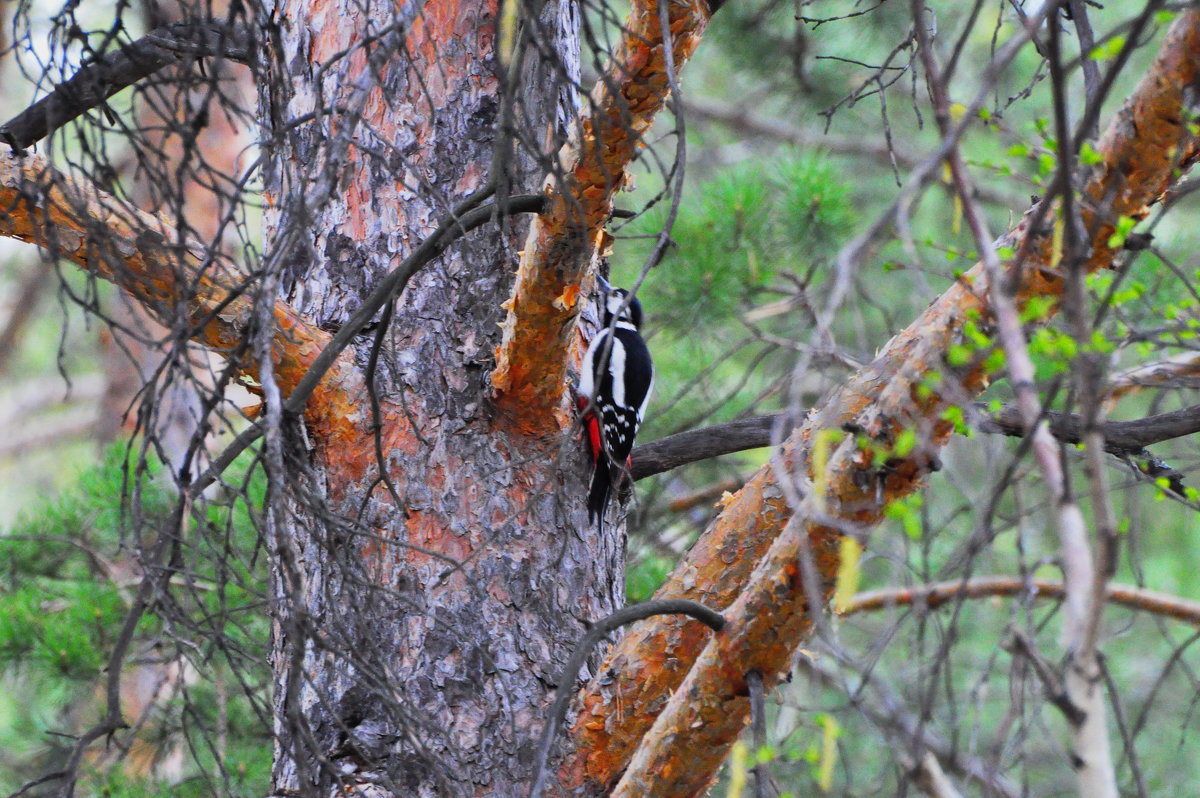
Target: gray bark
pixel 416 646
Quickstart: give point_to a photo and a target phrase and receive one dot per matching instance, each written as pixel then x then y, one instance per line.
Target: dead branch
pixel 142 254
pixel 89 88
pixel 936 594
pixel 1182 371
pixel 1121 438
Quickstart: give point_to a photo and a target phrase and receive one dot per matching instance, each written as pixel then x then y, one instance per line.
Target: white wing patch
pixel 616 368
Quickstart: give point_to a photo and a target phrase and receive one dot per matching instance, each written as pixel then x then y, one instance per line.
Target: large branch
pixel 679 702
pixel 531 361
pixel 142 254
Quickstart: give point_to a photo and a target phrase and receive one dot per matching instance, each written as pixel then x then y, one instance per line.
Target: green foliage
pixel 743 239
pixel 737 232
pixel 645 575
pixel 70 569
pixel 58 605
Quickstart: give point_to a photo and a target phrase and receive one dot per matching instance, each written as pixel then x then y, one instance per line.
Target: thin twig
pixel 758 727
pixel 933 595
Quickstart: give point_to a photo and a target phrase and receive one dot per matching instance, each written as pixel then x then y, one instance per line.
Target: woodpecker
pixel 613 391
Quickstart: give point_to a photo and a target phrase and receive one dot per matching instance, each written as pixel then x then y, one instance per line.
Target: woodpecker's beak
pixel 604 284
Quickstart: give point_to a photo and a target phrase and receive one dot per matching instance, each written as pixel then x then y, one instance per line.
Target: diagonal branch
pixel 140 253
pixel 125 66
pixel 177 280
pixel 539 331
pixel 753 551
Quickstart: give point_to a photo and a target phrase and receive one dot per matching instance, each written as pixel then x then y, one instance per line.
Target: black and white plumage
pixel 614 388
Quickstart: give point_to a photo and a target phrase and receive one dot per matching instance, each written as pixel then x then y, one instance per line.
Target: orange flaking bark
pixel 140 252
pixel 699 709
pixel 531 361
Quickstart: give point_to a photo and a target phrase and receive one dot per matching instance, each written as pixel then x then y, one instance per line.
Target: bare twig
pixel 1181 371
pixel 885 710
pixel 932 780
pixel 1080 700
pixel 750 123
pixel 758 727
pixel 936 594
pixel 1052 683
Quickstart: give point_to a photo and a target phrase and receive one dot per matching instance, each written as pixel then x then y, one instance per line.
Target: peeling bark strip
pixel 531 361
pixel 705 708
pixel 140 253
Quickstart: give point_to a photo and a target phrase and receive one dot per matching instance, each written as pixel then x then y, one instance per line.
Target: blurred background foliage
pixel 798 133
pixel 70 575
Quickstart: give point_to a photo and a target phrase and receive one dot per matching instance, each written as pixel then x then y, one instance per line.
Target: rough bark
pixel 469 555
pixel 748 563
pixel 421 648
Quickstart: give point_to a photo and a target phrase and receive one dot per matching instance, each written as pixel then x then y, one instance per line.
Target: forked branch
pixel 539 331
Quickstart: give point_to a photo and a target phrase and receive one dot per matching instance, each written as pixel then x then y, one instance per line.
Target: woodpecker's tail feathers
pixel 598 495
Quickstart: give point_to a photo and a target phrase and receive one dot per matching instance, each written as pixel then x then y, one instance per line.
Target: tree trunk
pixel 422 629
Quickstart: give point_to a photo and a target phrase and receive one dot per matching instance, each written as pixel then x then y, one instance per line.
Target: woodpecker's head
pixel 619 305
